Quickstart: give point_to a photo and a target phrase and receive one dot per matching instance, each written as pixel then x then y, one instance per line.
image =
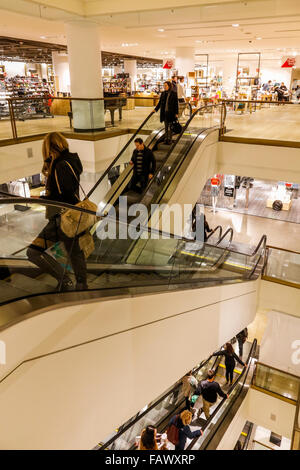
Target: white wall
pixel 129 350
pixel 259 161
pixel 283 330
pixel 262 410
pixel 276 74
pixel 273 296
pixel 14 68
pixel 95 156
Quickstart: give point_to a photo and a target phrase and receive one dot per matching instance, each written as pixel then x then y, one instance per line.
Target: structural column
pixel 131 68
pixel 85 75
pixel 229 75
pixel 61 72
pixel 185 60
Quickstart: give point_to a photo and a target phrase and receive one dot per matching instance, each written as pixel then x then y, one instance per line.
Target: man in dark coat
pixel 144 166
pixel 168 105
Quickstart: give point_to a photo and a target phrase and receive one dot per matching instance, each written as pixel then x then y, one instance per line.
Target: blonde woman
pixel 62 170
pixel 182 422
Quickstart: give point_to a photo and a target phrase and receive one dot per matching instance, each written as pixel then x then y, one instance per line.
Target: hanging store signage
pixel 288 62
pixel 215 181
pixel 168 64
pixel 229 192
pixel 229 185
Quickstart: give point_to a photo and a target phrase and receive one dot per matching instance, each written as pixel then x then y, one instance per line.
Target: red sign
pixel 288 62
pixel 215 181
pixel 168 64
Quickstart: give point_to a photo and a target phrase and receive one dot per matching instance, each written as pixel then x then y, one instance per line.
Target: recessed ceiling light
pixel 43 37
pixel 235 25
pixel 259 39
pixel 160 30
pixel 198 40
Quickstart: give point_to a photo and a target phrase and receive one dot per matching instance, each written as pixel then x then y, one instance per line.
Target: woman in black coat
pixel 62 170
pixel 168 105
pixel 230 358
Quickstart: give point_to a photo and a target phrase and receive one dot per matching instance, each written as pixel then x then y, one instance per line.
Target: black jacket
pixel 184 432
pixel 149 163
pixel 69 185
pixel 229 358
pixel 210 391
pixel 173 110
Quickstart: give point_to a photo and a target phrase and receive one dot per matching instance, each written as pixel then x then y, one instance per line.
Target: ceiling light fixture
pixel 235 25
pixel 161 30
pixel 259 39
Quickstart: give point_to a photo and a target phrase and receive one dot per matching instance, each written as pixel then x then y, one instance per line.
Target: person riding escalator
pixel 62 170
pixel 230 358
pixel 144 166
pixel 169 109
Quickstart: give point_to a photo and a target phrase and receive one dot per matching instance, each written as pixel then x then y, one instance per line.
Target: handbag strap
pixel 72 169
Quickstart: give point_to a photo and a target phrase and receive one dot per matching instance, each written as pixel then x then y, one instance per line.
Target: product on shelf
pixel 26 87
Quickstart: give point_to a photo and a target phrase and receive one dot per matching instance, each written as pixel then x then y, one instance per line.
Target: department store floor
pixel 270 122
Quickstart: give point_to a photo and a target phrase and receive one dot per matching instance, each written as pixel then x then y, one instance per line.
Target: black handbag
pixel 176 127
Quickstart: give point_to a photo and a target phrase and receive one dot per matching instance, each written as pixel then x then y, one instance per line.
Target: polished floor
pixel 257 204
pixel 249 229
pixel 274 122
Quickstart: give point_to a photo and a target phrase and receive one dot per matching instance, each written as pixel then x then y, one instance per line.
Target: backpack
pixel 173 433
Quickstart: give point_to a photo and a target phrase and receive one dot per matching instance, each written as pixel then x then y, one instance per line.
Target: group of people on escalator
pixel 206 392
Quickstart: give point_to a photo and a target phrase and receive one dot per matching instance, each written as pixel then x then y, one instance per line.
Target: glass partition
pixel 262 118
pixel 283 265
pixel 276 381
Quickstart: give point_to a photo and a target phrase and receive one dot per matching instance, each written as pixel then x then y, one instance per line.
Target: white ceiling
pixel 208 28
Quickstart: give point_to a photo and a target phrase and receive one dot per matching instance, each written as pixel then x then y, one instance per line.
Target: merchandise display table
pixel 139 101
pixel 286 205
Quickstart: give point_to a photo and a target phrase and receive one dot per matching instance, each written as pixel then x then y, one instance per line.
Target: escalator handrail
pixel 244 371
pixel 64 205
pixel 153 405
pixel 218 227
pixel 184 128
pixel 113 163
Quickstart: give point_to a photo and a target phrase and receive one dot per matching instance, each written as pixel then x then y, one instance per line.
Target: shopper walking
pixel 200 225
pixel 168 106
pixel 182 424
pixel 209 389
pixel 144 166
pixel 181 90
pixel 242 338
pixel 230 361
pixel 62 170
pixel 175 83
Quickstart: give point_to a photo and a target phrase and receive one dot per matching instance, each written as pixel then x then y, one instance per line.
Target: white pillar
pixel 131 68
pixel 61 71
pixel 185 60
pixel 85 74
pixel 229 75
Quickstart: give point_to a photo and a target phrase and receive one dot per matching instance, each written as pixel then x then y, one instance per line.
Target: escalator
pixel 159 413
pixel 162 264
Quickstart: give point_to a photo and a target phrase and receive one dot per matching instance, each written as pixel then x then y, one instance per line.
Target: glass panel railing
pixel 277 382
pixel 262 119
pixel 283 266
pixel 56 263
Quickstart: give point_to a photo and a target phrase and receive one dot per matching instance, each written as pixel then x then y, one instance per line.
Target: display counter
pixel 141 101
pixel 60 107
